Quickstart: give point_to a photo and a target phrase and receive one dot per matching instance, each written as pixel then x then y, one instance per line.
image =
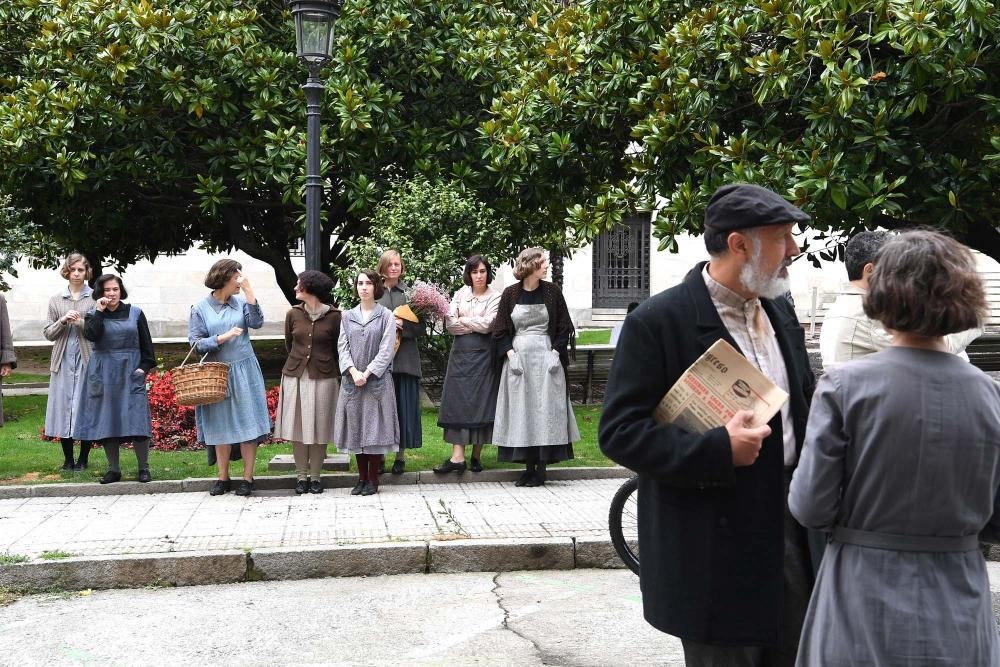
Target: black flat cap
pixel 741 205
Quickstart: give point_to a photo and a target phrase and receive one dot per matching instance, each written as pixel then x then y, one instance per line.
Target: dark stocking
pixel 67 447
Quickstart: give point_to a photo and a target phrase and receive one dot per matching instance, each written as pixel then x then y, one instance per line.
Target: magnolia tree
pixel 131 129
pixel 865 113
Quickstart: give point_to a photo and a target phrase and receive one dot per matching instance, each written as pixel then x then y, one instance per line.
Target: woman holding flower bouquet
pixel 365 423
pixel 406 363
pixel 469 395
pixel 534 424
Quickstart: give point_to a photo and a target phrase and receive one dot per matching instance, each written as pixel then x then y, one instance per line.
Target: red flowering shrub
pixel 272 410
pixel 173 424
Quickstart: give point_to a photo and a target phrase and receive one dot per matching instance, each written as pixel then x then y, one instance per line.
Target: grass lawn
pixel 593 337
pixel 26 459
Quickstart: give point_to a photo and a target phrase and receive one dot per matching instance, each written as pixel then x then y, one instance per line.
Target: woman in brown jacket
pixel 310 378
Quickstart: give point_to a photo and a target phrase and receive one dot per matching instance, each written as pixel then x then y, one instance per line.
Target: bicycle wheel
pixel 623 523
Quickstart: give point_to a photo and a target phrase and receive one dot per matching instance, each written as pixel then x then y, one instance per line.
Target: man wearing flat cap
pixel 724 565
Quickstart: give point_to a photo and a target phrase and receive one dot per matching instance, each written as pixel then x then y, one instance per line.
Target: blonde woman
pixel 406 363
pixel 534 423
pixel 70 353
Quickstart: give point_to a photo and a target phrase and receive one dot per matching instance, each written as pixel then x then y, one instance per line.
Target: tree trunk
pixel 984 237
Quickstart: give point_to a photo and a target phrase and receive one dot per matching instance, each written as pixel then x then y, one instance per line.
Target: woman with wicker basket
pixel 406 364
pixel 113 406
pixel 219 327
pixel 365 423
pixel 309 378
pixel 70 354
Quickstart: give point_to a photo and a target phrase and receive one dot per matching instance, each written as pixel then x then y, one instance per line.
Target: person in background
pixel 534 423
pixel 732 570
pixel 616 330
pixel 406 364
pixel 70 354
pixel 469 394
pixel 847 333
pixel 8 358
pixel 113 406
pixel 901 463
pixel 366 424
pixel 309 379
pixel 219 326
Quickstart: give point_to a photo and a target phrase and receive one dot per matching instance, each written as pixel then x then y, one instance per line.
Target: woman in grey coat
pixel 365 421
pixel 901 464
pixel 70 354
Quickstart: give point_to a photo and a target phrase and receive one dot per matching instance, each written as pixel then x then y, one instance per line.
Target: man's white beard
pixel 757 282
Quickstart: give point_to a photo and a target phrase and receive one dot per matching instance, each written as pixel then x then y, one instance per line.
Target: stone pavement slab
pixel 476 526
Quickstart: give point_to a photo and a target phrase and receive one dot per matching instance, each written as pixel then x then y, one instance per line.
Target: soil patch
pixel 29 478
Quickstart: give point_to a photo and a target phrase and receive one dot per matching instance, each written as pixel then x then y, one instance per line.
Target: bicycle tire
pixel 623 518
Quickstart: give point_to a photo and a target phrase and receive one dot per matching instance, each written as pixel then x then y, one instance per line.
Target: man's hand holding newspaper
pixel 722 388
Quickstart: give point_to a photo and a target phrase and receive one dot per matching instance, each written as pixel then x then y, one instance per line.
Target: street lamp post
pixel 314 21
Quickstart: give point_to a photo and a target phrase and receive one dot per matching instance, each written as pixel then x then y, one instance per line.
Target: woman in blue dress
pixel 219 326
pixel 113 406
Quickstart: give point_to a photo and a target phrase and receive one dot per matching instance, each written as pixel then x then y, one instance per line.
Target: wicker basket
pixel 201 383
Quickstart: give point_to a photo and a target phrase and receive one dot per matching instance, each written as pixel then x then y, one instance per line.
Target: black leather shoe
pixel 398 466
pixel 370 488
pixel 79 467
pixel 535 479
pixel 476 466
pixel 302 486
pixel 245 488
pixel 220 487
pixel 523 479
pixel 110 477
pixel 144 476
pixel 68 465
pixel 450 466
pixel 316 486
pixel 356 491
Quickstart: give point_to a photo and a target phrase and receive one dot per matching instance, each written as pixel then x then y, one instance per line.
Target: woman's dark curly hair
pixel 925 283
pixel 104 280
pixel 318 284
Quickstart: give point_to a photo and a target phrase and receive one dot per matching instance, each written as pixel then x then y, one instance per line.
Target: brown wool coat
pixel 311 345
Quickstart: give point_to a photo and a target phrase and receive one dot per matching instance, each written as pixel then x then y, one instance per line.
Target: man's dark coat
pixel 711 536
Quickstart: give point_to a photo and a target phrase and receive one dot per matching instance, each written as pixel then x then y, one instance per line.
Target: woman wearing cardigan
pixel 406 363
pixel 70 353
pixel 366 423
pixel 309 379
pixel 469 394
pixel 220 326
pixel 8 358
pixel 113 406
pixel 534 424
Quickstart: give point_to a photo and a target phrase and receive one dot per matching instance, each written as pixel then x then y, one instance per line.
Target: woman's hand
pixel 101 303
pixel 554 363
pixel 5 370
pixel 246 288
pixel 514 363
pixel 71 317
pixel 235 332
pixel 360 379
pixel 399 322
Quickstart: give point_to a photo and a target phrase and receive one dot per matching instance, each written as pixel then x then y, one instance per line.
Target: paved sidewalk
pixel 419 527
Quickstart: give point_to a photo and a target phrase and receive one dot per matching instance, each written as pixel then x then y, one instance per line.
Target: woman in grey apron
pixel 534 423
pixel 113 406
pixel 469 395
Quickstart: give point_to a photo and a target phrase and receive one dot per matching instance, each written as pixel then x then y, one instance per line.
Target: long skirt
pixel 469 394
pixel 65 386
pixel 306 408
pixel 407 388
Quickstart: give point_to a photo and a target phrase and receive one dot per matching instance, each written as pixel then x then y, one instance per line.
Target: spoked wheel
pixel 623 523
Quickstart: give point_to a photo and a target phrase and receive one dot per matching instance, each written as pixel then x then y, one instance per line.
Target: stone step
pixel 339 462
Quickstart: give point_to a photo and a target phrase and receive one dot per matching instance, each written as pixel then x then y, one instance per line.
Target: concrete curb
pixel 282 482
pixel 198 568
